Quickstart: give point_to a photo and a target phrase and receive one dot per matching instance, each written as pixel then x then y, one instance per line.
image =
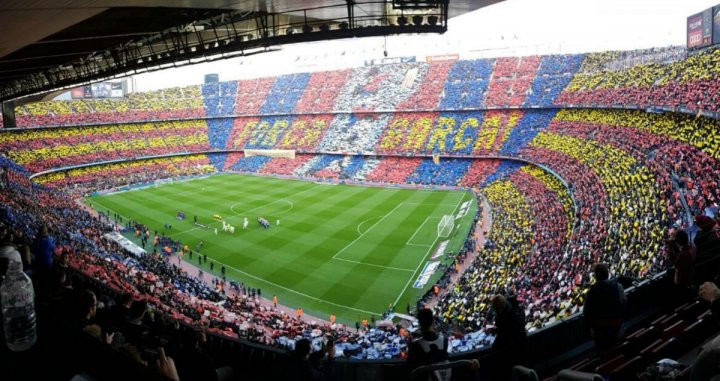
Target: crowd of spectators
pixel 161 284
pixel 85 180
pixel 467 303
pixel 512 78
pixel 450 172
pixel 532 221
pixel 644 78
pixel 321 90
pixel 632 205
pixel 634 177
pixel 172 103
pixel 42 149
pixel 677 83
pixel 353 133
pixel 621 60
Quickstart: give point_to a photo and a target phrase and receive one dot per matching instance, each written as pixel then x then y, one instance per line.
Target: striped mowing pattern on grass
pixel 339 248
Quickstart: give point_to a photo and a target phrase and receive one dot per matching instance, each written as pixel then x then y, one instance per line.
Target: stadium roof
pixel 49 44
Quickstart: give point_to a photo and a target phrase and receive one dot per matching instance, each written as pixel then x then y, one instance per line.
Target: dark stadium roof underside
pixel 53 44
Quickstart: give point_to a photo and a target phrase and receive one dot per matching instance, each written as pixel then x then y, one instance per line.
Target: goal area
pixel 445 226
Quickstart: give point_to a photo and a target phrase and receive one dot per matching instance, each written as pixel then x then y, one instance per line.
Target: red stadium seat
pixel 674 330
pixel 608 366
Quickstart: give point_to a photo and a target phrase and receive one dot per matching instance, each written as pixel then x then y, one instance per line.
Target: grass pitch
pixel 343 249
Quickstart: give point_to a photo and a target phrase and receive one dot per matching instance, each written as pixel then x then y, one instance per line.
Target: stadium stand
pixel 175 103
pixel 595 184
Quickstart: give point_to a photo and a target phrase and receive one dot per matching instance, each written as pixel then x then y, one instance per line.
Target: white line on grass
pixel 293 291
pixel 418 229
pixel 365 232
pixel 247 211
pixel 364 221
pixel 425 257
pixel 422 203
pixel 373 265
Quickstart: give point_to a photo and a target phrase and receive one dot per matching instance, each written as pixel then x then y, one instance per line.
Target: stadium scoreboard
pixel 703 28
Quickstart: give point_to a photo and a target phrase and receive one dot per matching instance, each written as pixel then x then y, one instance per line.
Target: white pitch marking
pixel 425 257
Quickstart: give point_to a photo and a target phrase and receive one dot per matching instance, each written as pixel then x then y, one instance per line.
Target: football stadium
pixel 360 190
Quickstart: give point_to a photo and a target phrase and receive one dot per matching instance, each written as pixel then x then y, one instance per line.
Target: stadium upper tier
pixel 637 79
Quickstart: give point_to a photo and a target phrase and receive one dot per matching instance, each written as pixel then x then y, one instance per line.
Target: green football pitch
pixel 343 249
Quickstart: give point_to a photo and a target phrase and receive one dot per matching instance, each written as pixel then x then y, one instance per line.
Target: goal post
pixel 445 226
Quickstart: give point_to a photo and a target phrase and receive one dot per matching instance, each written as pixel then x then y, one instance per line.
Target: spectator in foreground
pixel 510 345
pixel 604 307
pixel 43 249
pixel 707 364
pixel 707 242
pixel 307 366
pixel 431 348
pixel 682 253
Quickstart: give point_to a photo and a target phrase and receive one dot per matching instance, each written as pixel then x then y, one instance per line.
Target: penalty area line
pixel 294 291
pixel 425 257
pixel 372 264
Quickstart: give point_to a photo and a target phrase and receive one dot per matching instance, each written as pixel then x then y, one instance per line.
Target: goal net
pixel 445 226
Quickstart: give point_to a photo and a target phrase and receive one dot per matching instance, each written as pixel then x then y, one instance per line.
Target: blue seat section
pixel 269 131
pixel 219 101
pixel 251 164
pixel 553 75
pixel 466 84
pixel 532 122
pixel 449 172
pixel 505 168
pixel 321 162
pixel 356 163
pixel 285 93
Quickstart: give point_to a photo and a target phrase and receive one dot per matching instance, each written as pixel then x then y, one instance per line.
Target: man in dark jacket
pixel 604 307
pixel 510 345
